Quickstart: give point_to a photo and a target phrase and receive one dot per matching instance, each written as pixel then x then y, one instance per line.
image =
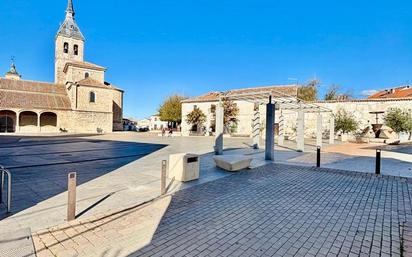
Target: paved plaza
pixel 119 172
pixel 115 171
pixel 274 210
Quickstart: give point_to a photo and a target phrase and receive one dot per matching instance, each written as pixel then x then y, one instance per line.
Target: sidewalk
pixel 117 234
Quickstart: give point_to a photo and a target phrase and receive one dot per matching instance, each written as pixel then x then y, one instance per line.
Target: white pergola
pixel 274 101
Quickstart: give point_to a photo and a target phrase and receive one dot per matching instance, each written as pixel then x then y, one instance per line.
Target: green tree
pixel 230 112
pixel 399 120
pixel 309 92
pixel 345 122
pixel 171 109
pixel 196 118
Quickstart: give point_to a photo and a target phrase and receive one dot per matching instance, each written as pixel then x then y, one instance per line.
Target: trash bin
pixel 184 167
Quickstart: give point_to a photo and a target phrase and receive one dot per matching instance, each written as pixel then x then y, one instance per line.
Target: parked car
pixel 143 129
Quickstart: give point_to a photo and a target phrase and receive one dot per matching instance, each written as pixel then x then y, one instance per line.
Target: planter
pixel 343 137
pixel 361 140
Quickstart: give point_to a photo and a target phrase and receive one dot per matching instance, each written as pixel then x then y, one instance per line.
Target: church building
pixel 79 101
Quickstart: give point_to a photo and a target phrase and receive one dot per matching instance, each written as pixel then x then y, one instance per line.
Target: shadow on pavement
pixel 39 165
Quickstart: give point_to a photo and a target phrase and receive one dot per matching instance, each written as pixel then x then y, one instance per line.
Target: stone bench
pixel 232 162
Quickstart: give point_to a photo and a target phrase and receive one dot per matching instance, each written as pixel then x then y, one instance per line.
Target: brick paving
pixel 275 210
pixel 281 210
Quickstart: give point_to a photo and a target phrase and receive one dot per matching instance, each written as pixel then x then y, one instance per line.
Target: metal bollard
pixel 3 172
pixel 378 162
pixel 163 178
pixel 318 156
pixel 1 183
pixel 71 200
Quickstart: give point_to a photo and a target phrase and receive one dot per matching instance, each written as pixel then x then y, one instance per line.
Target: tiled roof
pixel 33 95
pixel 409 99
pixel 94 83
pixel 91 83
pixel 291 90
pixel 211 96
pixel 85 65
pixel 399 92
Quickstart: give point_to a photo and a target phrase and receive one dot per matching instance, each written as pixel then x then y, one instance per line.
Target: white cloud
pixel 369 92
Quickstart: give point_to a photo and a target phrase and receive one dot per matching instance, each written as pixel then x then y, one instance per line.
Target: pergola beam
pixel 286 102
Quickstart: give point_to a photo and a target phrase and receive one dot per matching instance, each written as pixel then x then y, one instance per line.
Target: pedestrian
pixel 163 132
pixel 210 131
pixel 170 132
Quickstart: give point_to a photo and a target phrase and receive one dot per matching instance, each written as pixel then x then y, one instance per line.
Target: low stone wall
pixel 360 109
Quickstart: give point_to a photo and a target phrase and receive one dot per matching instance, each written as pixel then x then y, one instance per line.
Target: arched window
pixel 65 47
pixel 76 49
pixel 92 97
pixel 86 75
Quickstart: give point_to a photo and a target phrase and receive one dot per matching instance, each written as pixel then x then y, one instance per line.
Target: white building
pixel 156 123
pixel 144 123
pixel 207 104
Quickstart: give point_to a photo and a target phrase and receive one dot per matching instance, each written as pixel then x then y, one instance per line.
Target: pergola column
pixel 319 130
pixel 300 130
pixel 270 135
pixel 331 129
pixel 256 127
pixel 281 137
pixel 38 122
pixel 17 128
pixel 219 129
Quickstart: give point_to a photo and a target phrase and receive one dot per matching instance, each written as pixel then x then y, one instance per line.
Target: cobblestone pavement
pixel 288 211
pixel 275 210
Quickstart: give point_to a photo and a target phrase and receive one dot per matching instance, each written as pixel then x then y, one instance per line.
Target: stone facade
pixel 79 101
pixel 360 109
pixel 61 57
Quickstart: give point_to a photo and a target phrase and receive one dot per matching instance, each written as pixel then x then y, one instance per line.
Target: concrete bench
pixel 232 162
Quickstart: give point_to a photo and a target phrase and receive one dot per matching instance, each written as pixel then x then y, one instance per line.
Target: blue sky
pixel 154 48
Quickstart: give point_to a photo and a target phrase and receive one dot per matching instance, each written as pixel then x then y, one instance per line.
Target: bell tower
pixel 69 45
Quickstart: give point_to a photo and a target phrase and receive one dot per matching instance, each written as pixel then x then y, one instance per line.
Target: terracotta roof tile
pixel 399 92
pixel 33 95
pixel 91 83
pixel 85 65
pixel 94 83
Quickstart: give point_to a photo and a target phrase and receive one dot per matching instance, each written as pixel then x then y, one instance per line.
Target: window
pixel 76 50
pixel 86 75
pixel 92 97
pixel 65 47
pixel 213 108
